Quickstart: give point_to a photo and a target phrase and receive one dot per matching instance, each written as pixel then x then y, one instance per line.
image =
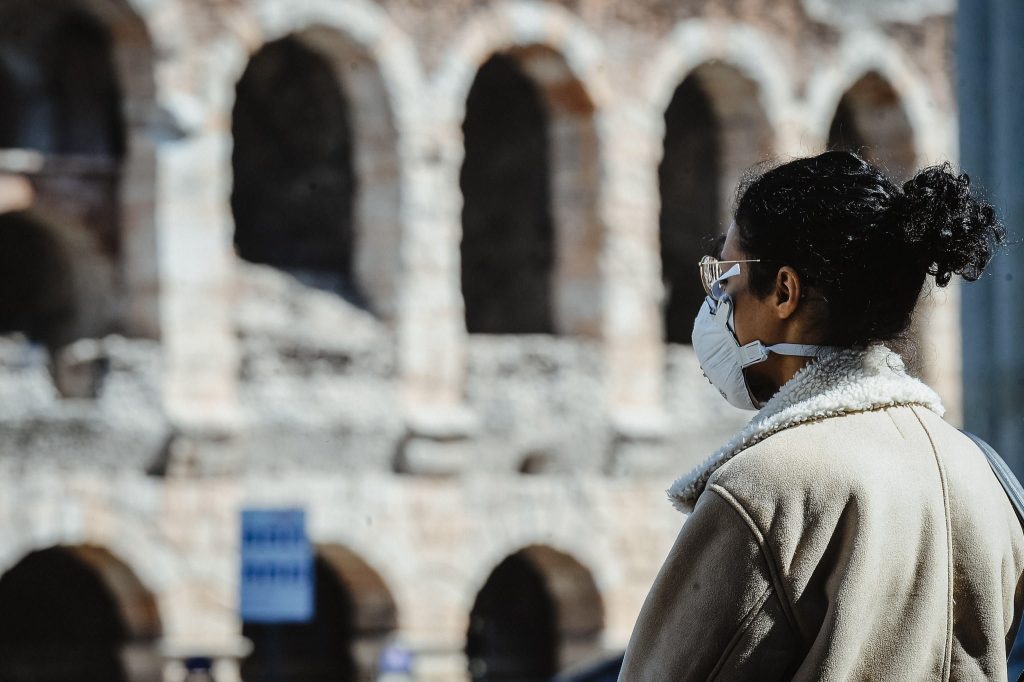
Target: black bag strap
pixel 1013 489
pixel 1010 484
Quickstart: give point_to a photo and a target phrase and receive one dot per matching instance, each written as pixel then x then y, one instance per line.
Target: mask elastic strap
pixel 755 351
pixel 800 349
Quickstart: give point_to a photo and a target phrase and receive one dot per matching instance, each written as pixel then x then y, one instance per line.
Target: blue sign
pixel 395 659
pixel 277 567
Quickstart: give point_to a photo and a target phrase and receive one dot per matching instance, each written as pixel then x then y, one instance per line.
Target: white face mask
pixel 720 354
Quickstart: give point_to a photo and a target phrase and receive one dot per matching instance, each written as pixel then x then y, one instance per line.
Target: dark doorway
pixel 688 178
pixel 63 97
pixel 36 289
pixel 871 121
pixel 59 95
pixel 844 134
pixel 60 622
pixel 507 232
pixel 318 651
pixel 10 117
pixel 513 633
pixel 294 183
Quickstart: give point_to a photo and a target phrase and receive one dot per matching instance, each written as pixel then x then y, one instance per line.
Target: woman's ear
pixel 787 292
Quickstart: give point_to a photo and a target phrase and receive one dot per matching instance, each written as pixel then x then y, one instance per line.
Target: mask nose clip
pixel 718 286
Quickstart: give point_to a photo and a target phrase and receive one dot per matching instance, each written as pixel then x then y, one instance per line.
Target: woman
pixel 847 532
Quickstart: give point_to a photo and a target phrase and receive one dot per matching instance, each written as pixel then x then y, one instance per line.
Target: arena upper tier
pixel 425 269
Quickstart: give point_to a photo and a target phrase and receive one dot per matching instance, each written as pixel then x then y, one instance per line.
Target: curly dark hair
pixel 862 243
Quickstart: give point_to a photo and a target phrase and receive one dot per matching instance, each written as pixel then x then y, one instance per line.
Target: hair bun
pixel 955 232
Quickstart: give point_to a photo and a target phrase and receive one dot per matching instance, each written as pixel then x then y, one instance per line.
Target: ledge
pixel 637 443
pixel 437 441
pixel 448 423
pixel 645 425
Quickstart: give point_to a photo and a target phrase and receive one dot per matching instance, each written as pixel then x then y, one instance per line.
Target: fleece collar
pixel 841 382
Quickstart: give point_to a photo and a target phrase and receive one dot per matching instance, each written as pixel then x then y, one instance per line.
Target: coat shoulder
pixel 809 450
pixel 830 461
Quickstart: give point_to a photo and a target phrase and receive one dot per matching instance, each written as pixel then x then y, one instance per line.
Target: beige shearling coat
pixel 847 533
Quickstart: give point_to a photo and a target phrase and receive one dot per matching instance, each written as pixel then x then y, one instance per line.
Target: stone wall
pixel 424 454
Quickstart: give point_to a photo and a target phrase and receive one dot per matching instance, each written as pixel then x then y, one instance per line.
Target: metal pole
pixel 977 313
pixel 990 56
pixel 1006 22
pixel 274 635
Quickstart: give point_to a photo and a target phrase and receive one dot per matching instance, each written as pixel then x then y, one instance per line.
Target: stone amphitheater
pixel 424 269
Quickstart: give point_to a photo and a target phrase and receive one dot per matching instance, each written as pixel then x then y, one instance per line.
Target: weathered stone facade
pixel 175 384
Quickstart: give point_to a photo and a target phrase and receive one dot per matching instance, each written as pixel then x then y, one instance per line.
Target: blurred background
pixel 348 339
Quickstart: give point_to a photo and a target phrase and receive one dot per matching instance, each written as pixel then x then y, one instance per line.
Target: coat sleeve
pixel 713 611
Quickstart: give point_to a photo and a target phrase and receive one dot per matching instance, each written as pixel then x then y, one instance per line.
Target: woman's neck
pixel 774 373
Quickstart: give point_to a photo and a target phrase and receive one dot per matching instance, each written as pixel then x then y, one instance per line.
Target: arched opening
pixel 317 181
pixel 715 130
pixel 294 182
pixel 538 612
pixel 870 119
pixel 690 202
pixel 354 615
pixel 64 102
pixel 65 98
pixel 507 226
pixel 76 614
pixel 530 235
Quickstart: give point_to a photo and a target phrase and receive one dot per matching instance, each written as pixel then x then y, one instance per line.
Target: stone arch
pixel 128 23
pixel 870 67
pixel 743 77
pixel 129 541
pixel 294 181
pixel 376 614
pixel 355 618
pixel 65 97
pixel 715 129
pixel 95 160
pixel 376 67
pixel 870 119
pixel 868 54
pixel 539 611
pixel 117 631
pixel 719 102
pixel 507 26
pixel 549 50
pixel 751 54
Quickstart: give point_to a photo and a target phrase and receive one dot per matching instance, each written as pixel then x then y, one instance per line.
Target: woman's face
pixel 756 319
